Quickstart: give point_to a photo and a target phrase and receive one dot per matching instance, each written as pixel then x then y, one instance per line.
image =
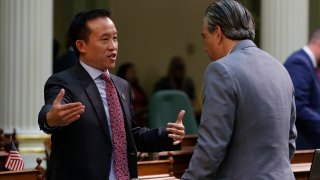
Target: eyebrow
pixel 109 34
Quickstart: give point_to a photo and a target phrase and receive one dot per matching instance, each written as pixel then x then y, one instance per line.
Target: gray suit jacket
pixel 247 126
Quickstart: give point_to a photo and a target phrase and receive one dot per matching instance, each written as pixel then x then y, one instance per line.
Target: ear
pixel 81 45
pixel 219 34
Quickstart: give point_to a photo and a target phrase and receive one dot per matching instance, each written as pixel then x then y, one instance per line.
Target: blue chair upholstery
pixel 165 107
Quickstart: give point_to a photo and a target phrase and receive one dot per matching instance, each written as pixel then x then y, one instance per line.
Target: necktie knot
pixel 105 76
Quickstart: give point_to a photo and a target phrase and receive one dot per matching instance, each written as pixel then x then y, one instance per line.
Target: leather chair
pixel 165 107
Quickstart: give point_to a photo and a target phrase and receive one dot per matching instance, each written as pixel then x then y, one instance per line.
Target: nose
pixel 113 45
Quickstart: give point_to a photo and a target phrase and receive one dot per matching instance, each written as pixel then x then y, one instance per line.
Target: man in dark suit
pixel 301 66
pixel 89 111
pixel 247 126
pixel 65 61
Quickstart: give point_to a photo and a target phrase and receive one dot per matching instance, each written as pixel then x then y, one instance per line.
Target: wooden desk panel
pixel 158 177
pixel 189 140
pixel 301 170
pixel 20 175
pixel 155 167
pixel 181 159
pixel 300 164
pixel 303 156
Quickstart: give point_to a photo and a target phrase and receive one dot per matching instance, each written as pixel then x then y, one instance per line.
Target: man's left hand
pixel 176 130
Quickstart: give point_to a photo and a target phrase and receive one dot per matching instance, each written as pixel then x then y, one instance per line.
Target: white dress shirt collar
pixel 94 73
pixel 311 55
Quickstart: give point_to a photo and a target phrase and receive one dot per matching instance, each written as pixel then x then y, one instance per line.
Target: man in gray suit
pixel 247 126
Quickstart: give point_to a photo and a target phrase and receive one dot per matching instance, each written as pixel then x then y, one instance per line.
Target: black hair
pixel 78 29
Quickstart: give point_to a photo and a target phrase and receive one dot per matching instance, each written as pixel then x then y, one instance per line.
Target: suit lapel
pixel 122 96
pixel 93 94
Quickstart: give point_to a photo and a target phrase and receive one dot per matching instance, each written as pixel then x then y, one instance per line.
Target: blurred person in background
pixel 302 67
pixel 128 72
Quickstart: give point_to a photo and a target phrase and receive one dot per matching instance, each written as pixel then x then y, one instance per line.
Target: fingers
pixel 70 112
pixel 176 138
pixel 175 126
pixel 178 125
pixel 176 133
pixel 71 107
pixel 59 97
pixel 177 142
pixel 63 114
pixel 180 116
pixel 69 121
pixel 176 130
pixel 63 117
pixel 70 115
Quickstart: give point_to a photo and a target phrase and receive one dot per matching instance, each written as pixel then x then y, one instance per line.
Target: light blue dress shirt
pixel 101 85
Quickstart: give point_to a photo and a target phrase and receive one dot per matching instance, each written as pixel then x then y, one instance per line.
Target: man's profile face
pixel 210 42
pixel 100 51
pixel 318 52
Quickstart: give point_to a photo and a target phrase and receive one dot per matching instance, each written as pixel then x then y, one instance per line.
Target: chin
pixel 212 58
pixel 111 66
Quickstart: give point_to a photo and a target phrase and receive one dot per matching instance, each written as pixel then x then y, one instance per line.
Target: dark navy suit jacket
pixel 307 97
pixel 82 150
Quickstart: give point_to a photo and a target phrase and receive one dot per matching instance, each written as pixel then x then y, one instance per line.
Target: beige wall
pixel 314 15
pixel 63 12
pixel 151 32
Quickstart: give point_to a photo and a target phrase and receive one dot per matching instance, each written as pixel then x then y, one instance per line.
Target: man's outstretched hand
pixel 176 130
pixel 63 114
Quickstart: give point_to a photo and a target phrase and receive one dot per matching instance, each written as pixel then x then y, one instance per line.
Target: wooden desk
pixel 303 156
pixel 189 140
pixel 301 170
pixel 157 177
pixel 35 174
pixel 155 167
pixel 181 159
pixel 300 164
pixel 19 175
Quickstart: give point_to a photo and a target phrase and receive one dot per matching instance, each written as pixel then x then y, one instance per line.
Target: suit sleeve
pixel 303 85
pixel 149 140
pixel 153 140
pixel 217 121
pixel 51 90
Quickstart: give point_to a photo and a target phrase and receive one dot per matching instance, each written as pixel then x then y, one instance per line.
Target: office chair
pixel 165 107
